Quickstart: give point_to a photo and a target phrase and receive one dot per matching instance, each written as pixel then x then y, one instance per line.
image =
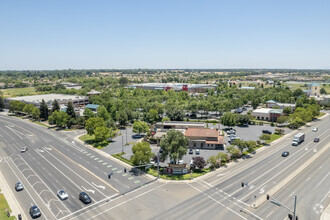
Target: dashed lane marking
pixel 88 154
pixel 119 171
pixel 100 161
pixel 96 158
pixel 125 174
pixel 130 178
pixel 114 168
pixel 137 181
pixel 105 163
pixel 109 166
pixel 92 156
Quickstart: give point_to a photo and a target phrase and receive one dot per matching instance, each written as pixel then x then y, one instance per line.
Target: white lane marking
pixel 47 148
pixel 321 181
pixel 35 203
pixel 216 201
pixel 126 201
pixel 270 214
pixel 75 173
pixel 45 183
pixel 325 196
pixel 100 161
pixel 105 163
pixel 40 150
pixel 221 174
pixel 109 166
pixel 102 187
pixel 88 190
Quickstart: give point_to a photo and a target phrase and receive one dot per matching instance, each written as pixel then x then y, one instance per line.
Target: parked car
pixel 197 151
pixel 266 132
pixel 191 151
pixel 316 139
pixel 63 195
pixel 285 154
pixel 35 212
pixel 315 129
pixel 19 186
pixel 85 198
pixel 231 132
pixel 24 149
pixel 137 136
pixel 180 162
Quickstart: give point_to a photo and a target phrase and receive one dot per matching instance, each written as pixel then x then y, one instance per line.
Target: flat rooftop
pixel 48 98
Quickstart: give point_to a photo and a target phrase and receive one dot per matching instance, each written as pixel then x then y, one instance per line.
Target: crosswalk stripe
pixel 105 163
pixel 137 181
pixel 100 161
pixel 109 166
pixel 114 168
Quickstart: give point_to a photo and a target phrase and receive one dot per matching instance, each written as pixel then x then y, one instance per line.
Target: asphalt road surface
pixel 54 162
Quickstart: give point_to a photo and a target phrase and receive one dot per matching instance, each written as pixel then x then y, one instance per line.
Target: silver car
pixel 63 195
pixel 19 186
pixel 24 149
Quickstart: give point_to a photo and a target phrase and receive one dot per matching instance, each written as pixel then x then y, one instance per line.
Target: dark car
pixel 35 212
pixel 85 198
pixel 19 186
pixel 161 150
pixel 266 132
pixel 191 151
pixel 285 154
pixel 316 139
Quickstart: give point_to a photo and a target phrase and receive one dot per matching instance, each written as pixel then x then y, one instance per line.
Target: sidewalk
pixel 326 214
pixel 11 199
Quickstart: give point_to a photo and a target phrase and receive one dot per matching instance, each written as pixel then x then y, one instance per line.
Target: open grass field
pixel 273 137
pixel 18 92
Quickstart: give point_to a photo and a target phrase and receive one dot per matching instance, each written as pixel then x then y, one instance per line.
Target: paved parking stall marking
pixel 100 161
pixel 137 181
pixel 88 154
pixel 105 163
pixel 92 156
pixel 125 174
pixel 114 168
pixel 130 178
pixel 119 171
pixel 109 166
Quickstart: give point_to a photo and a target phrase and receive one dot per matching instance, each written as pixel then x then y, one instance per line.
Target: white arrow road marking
pixel 48 148
pixel 40 150
pixel 102 187
pixel 262 190
pixel 315 150
pixel 306 148
pixel 221 174
pixel 251 187
pixel 88 190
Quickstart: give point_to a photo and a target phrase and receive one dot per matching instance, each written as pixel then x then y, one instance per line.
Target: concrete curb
pixel 285 181
pixel 11 199
pixel 326 214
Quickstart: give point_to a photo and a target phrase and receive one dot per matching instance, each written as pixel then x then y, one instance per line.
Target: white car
pixel 24 149
pixel 63 195
pixel 180 162
pixel 197 151
pixel 315 129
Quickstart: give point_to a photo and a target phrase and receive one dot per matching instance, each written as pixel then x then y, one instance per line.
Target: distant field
pixel 18 92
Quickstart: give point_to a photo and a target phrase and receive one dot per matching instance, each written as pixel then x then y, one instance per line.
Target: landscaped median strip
pixel 285 181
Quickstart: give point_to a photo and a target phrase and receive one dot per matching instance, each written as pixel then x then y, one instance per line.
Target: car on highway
pixel 266 132
pixel 35 212
pixel 62 194
pixel 316 139
pixel 197 151
pixel 191 151
pixel 24 149
pixel 285 154
pixel 315 129
pixel 19 186
pixel 85 198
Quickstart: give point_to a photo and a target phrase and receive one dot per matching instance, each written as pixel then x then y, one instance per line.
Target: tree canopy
pixel 174 145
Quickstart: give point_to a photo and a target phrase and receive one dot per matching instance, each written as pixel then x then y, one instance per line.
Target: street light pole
pixel 158 165
pixel 122 142
pixel 294 208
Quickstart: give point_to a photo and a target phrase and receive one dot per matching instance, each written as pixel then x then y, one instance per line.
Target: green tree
pixel 92 124
pixel 70 110
pixel 323 91
pixel 44 112
pixel 103 113
pixel 242 119
pixel 250 145
pixel 28 109
pixel 298 92
pixel 175 114
pixel 123 81
pixel 140 127
pixel 223 157
pixel 228 119
pixel 152 115
pixel 287 110
pixel 55 106
pixel 2 104
pixel 174 145
pixel 240 144
pixel 141 154
pixel 295 123
pixel 122 117
pixel 35 113
pixel 101 134
pixel 88 113
pixel 165 119
pixel 213 161
pixel 234 152
pixel 265 137
pixel 60 118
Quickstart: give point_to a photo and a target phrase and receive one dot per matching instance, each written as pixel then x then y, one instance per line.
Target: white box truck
pixel 298 138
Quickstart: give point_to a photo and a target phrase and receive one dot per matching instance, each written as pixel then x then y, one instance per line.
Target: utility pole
pixel 158 165
pixel 122 142
pixel 126 135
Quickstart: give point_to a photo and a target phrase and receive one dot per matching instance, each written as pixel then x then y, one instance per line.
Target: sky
pixel 175 34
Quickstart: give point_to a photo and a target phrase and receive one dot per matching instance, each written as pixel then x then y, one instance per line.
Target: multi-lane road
pixel 54 161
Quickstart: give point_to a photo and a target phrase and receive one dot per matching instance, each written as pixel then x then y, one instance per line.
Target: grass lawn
pixel 197 173
pixel 19 92
pixel 39 123
pixel 273 137
pixel 321 114
pixel 4 206
pixel 89 139
pixel 119 157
